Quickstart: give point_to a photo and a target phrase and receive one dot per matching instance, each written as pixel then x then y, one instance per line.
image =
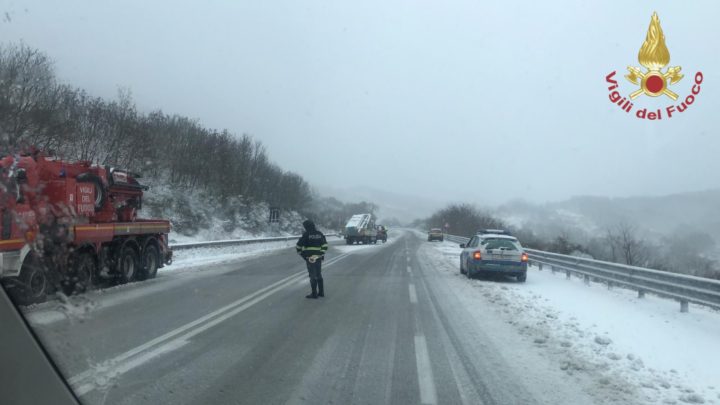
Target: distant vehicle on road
pixel 360 228
pixel 435 234
pixel 382 233
pixel 493 254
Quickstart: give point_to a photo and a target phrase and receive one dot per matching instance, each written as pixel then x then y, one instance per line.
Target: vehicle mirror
pixel 462 245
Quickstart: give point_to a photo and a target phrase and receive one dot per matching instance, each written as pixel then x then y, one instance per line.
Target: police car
pixel 493 251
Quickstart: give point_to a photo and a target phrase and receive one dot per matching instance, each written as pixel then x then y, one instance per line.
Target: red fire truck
pixel 70 225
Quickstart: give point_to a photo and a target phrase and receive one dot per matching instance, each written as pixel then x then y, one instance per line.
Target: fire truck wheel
pixel 31 286
pixel 128 264
pixel 83 273
pixel 150 262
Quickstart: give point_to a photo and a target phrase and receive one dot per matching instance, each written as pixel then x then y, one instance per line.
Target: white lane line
pixel 173 344
pixel 96 376
pixel 79 381
pixel 426 381
pixel 413 294
pixel 104 374
pixel 460 375
pixel 409 269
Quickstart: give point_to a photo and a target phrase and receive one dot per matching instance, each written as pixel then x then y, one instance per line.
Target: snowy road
pixel 397 326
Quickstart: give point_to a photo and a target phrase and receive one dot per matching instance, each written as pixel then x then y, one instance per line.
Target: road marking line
pixel 409 270
pixel 88 380
pixel 77 379
pixel 132 362
pixel 413 294
pixel 104 376
pixel 426 381
pixel 460 374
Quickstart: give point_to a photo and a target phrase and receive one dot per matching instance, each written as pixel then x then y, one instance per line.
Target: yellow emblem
pixel 654 55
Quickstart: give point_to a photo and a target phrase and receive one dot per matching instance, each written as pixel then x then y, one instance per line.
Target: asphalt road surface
pixel 390 330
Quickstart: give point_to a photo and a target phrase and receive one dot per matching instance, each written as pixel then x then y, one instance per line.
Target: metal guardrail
pixel 231 242
pixel 681 287
pixel 458 239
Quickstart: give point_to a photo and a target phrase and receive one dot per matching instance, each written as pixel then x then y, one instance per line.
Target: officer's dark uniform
pixel 313 243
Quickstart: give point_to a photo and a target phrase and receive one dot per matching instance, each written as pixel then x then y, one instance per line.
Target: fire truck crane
pixel 69 225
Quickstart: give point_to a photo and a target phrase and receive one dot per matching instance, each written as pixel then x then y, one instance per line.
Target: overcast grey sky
pixel 467 100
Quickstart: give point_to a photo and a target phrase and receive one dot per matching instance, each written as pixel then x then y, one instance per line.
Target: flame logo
pixel 654 54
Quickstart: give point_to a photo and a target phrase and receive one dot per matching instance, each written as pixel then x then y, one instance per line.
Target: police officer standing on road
pixel 312 247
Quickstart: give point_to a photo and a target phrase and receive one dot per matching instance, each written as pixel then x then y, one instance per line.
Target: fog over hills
pixel 654 217
pixel 580 218
pixel 403 207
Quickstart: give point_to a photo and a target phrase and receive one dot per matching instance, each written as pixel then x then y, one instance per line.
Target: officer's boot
pixel 313 285
pixel 321 291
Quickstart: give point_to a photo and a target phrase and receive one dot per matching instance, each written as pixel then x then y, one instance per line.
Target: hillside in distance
pixel 391 205
pixel 654 216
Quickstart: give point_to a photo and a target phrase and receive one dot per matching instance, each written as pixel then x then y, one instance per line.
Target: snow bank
pixel 197 216
pixel 365 248
pixel 670 357
pixel 190 259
